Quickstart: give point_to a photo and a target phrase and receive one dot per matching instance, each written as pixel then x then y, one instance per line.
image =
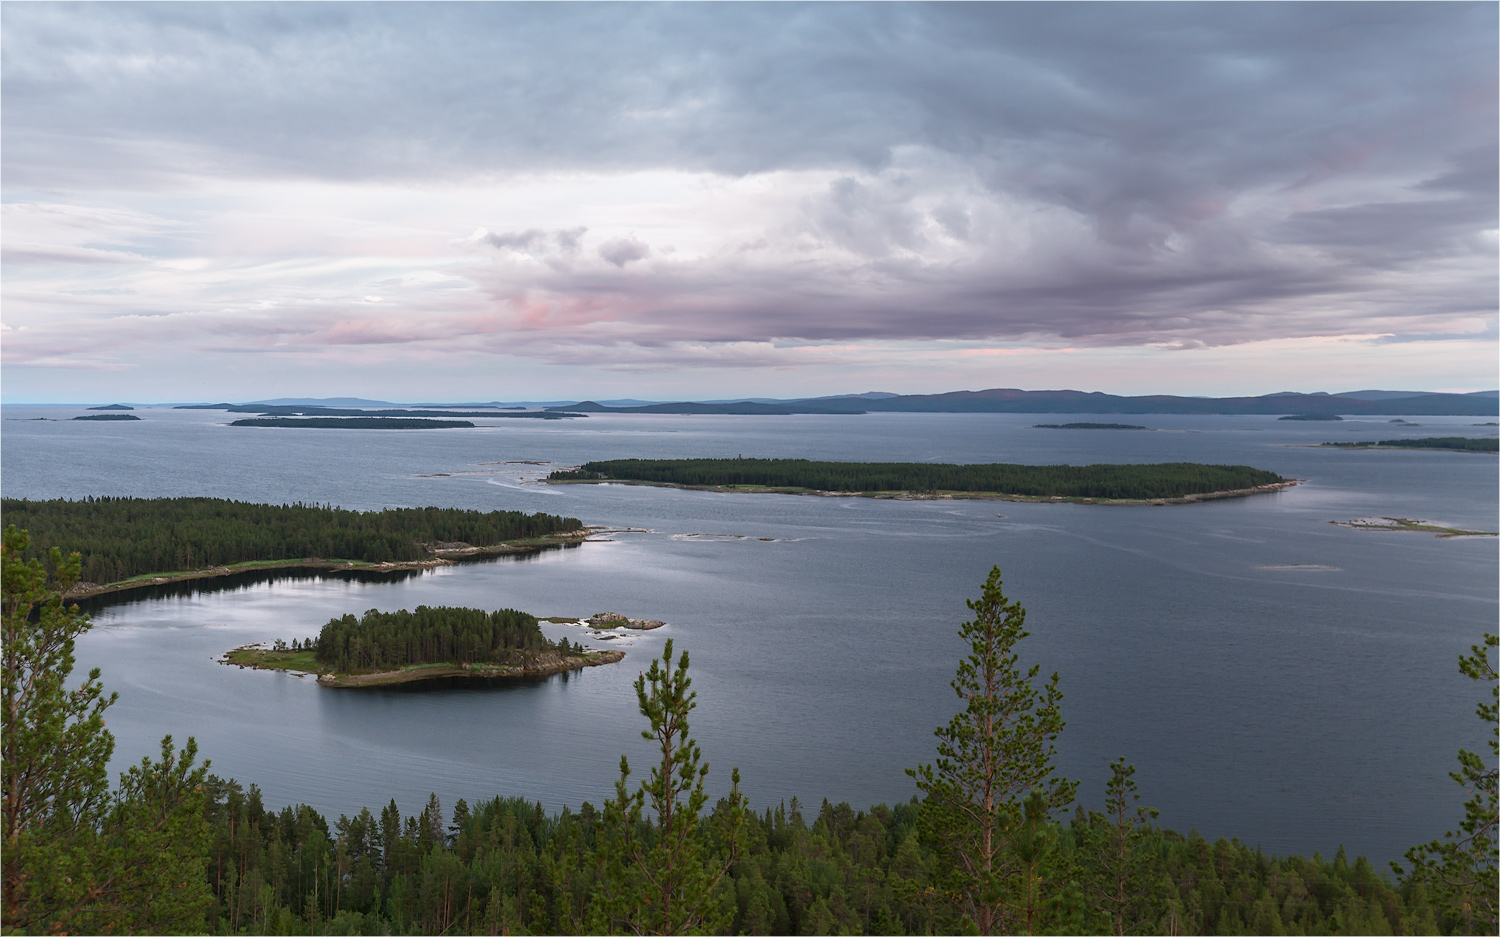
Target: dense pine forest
pixel 124 537
pixel 1462 443
pixel 1165 480
pixel 509 866
pixel 391 640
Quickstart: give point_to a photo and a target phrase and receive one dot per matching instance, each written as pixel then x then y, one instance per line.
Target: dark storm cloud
pixel 1233 171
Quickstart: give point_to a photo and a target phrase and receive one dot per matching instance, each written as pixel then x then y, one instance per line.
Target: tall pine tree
pixel 659 871
pixel 992 789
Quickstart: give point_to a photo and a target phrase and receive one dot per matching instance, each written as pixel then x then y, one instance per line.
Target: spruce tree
pixel 992 789
pixel 660 872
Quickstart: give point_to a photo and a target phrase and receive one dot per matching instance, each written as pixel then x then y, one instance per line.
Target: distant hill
pixel 1011 400
pixel 740 409
pixel 994 400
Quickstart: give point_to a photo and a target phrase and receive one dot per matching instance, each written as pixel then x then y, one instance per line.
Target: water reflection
pixel 240 581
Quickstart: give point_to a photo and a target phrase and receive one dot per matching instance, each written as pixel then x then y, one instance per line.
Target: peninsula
pixel 1166 483
pixel 129 543
pixel 386 648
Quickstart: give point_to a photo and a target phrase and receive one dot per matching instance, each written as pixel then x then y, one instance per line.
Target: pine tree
pixel 56 749
pixel 993 757
pixel 76 858
pixel 660 874
pixel 1460 869
pixel 1115 868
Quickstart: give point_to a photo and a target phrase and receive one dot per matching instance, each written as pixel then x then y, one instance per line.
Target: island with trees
pixel 385 648
pixel 108 417
pixel 1089 426
pixel 1454 443
pixel 352 422
pixel 1165 483
pixel 134 542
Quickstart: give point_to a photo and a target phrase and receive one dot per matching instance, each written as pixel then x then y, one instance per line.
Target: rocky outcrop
pixel 604 620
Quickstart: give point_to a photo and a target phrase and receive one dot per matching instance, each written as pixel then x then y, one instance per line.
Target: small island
pixel 110 417
pixel 113 406
pixel 386 648
pixel 1088 426
pixel 1166 483
pixel 352 422
pixel 1407 524
pixel 1314 417
pixel 1453 443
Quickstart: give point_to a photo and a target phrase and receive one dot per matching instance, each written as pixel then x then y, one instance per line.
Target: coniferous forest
pixel 1165 480
pixel 123 537
pixel 995 842
pixel 391 640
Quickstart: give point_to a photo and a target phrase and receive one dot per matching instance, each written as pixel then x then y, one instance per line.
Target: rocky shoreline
pixel 525 665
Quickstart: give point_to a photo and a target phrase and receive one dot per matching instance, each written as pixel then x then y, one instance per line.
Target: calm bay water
pixel 1273 677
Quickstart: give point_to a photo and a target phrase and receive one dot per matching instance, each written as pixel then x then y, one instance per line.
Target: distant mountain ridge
pixel 993 400
pixel 1013 400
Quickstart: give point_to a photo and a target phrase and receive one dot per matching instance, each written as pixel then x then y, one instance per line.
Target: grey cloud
pixel 537 242
pixel 1151 124
pixel 524 242
pixel 621 251
pixel 867 221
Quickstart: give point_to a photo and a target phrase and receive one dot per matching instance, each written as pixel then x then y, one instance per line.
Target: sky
pixel 563 201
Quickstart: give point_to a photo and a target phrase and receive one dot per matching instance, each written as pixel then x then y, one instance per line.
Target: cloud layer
pixel 743 186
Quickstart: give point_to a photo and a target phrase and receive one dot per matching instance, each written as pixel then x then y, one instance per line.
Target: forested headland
pixel 121 539
pixel 380 648
pixel 1102 482
pixel 1460 443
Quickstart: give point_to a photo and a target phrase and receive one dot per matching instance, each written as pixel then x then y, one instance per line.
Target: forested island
pixel 1314 417
pixel 1172 482
pixel 108 417
pixel 1457 443
pixel 384 648
pixel 274 410
pixel 1088 426
pixel 353 422
pixel 132 542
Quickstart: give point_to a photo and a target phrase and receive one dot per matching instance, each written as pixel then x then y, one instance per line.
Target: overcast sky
pixel 514 201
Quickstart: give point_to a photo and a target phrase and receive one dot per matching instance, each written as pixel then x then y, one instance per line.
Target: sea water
pixel 1273 676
